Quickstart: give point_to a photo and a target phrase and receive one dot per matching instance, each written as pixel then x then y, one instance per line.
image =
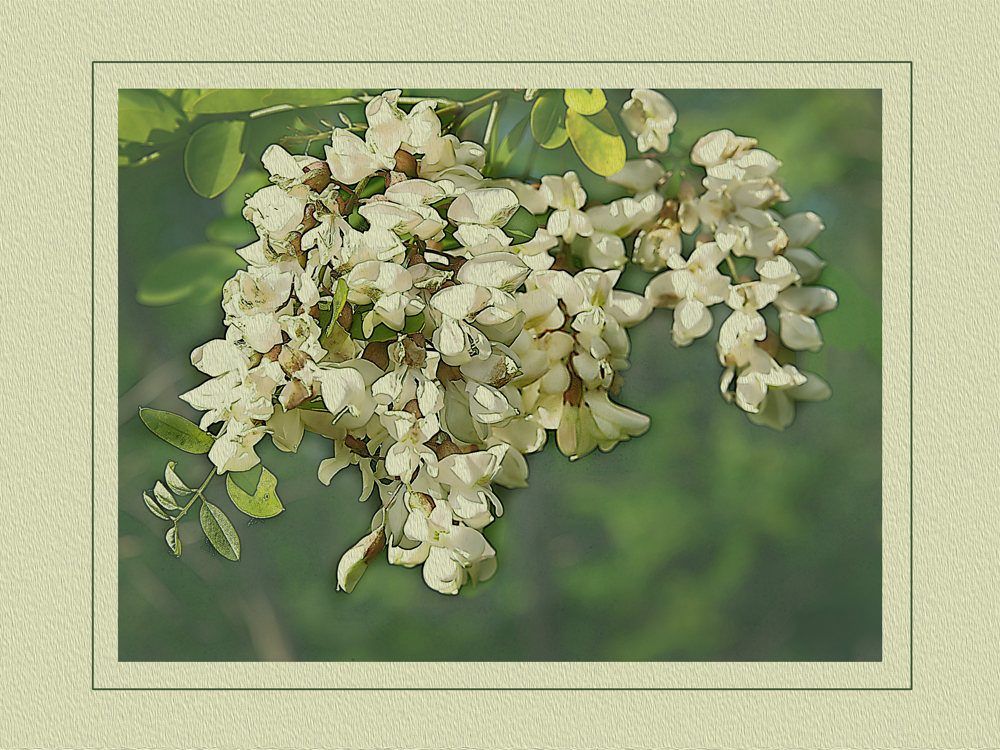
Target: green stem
pixel 460 108
pixel 732 269
pixel 197 494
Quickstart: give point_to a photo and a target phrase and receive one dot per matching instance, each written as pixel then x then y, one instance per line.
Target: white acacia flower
pixel 345 389
pixel 613 422
pixel 797 307
pixel 639 175
pixel 626 215
pixel 407 454
pixel 490 207
pixel 690 290
pixel 755 380
pixel 352 159
pixel 650 118
pixel 477 239
pixel 233 449
pixel 600 250
pixel 719 146
pixel 276 212
pixel 419 221
pixel 468 477
pixel 658 248
pixel 777 410
pixel 567 197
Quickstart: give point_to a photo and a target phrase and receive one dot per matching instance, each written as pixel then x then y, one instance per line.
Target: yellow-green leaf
pixel 508 147
pixel 585 101
pixel 548 120
pixel 521 227
pixel 328 318
pixel 256 496
pixel 141 113
pixel 198 272
pixel 174 541
pixel 154 508
pixel 179 432
pixel 597 141
pixel 220 531
pixel 213 156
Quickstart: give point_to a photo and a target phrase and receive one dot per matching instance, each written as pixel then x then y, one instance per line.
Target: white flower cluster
pixel 412 331
pixel 736 212
pixel 386 308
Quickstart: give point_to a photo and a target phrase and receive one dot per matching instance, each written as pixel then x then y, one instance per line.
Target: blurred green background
pixel 706 539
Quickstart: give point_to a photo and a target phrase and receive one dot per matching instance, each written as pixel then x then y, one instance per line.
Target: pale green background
pixel 46 558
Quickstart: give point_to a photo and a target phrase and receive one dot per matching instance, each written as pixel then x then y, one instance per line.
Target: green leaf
pixel 218 101
pixel 213 157
pixel 328 319
pixel 164 498
pixel 220 531
pixel 142 113
pixel 176 430
pixel 382 332
pixel 548 120
pixel 174 482
pixel 174 540
pixel 247 480
pixel 254 495
pixel 521 227
pixel 585 101
pixel 508 147
pixel 154 508
pixel 234 231
pixel 374 185
pixel 597 141
pixel 357 221
pixel 198 272
pixel 235 196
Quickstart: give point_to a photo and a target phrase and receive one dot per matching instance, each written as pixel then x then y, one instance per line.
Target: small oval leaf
pixel 213 156
pixel 548 120
pixel 174 540
pixel 585 101
pixel 164 498
pixel 220 531
pixel 521 227
pixel 597 141
pixel 154 508
pixel 176 430
pixel 255 496
pixel 174 482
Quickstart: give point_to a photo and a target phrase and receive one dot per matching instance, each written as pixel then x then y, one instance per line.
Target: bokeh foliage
pixel 708 538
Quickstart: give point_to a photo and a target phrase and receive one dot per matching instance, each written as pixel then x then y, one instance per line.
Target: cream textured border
pixel 46 555
pixel 892 672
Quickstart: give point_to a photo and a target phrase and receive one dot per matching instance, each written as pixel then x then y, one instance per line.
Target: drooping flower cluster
pixel 411 310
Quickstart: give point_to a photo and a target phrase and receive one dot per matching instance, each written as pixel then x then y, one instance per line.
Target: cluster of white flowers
pixel 386 308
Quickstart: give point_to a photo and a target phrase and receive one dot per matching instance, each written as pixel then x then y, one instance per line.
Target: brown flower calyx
pixel 377 352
